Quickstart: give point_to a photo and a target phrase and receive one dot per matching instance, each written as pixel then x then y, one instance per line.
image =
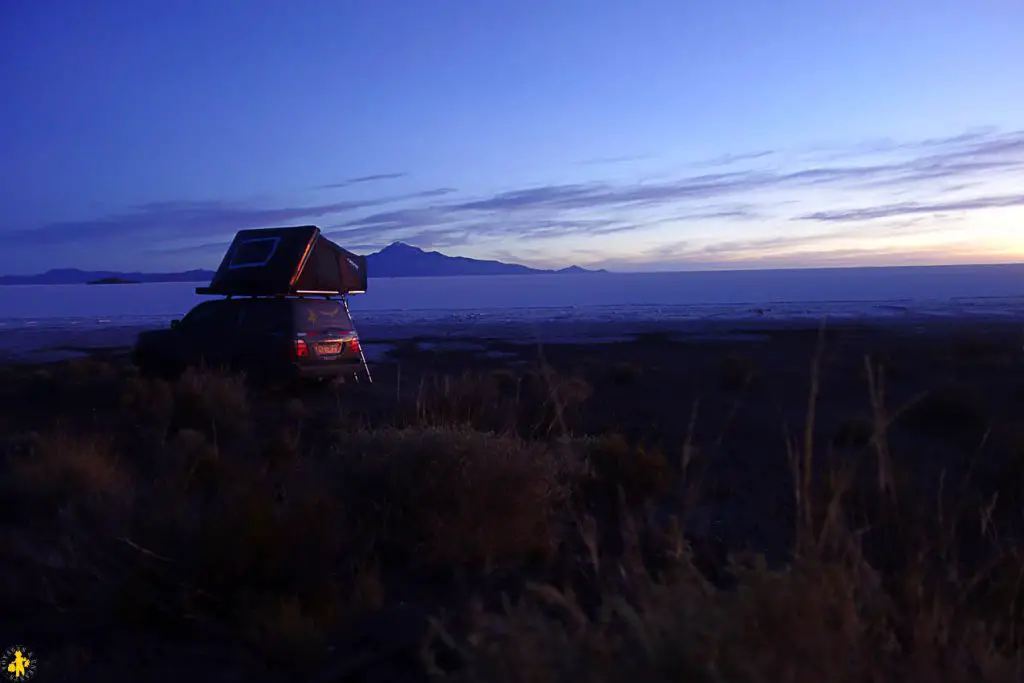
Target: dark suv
pixel 269 339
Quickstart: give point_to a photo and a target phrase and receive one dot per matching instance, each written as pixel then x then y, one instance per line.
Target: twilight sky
pixel 633 135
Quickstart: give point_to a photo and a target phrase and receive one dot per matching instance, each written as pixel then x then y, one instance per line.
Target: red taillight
pixel 301 350
pixel 354 344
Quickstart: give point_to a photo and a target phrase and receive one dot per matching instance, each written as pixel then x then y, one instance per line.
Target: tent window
pixel 254 253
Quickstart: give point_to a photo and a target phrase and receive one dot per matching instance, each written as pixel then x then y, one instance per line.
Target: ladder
pixel 362 356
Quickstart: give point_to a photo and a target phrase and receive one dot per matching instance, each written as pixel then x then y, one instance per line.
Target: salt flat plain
pixel 42 322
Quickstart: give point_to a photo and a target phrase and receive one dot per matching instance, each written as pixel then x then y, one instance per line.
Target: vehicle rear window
pixel 265 316
pixel 319 315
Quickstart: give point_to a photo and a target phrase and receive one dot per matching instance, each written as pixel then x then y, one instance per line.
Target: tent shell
pixel 287 261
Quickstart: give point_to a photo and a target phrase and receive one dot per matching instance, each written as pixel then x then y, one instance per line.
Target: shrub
pixel 817 620
pixel 736 372
pixel 640 472
pixel 506 382
pixel 453 497
pixel 948 410
pixel 625 374
pixel 277 539
pixel 467 399
pixel 212 401
pixel 148 403
pixel 540 402
pixel 61 468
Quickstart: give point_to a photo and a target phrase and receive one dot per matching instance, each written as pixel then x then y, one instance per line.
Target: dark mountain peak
pixel 64 271
pixel 574 269
pixel 399 259
pixel 400 248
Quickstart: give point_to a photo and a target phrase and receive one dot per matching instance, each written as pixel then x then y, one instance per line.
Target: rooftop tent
pixel 283 261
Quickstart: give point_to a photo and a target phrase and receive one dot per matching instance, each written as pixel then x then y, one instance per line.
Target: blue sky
pixel 640 135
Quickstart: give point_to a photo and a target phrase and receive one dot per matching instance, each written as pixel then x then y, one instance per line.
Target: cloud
pixel 175 219
pixel 438 192
pixel 196 249
pixel 600 195
pixel 736 212
pixel 398 219
pixel 883 179
pixel 729 159
pixel 912 208
pixel 439 227
pixel 376 177
pixel 601 208
pixel 834 152
pixel 965 158
pixel 808 251
pixel 609 161
pixel 183 219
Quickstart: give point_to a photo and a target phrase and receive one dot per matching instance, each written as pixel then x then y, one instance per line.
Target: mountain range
pixel 396 260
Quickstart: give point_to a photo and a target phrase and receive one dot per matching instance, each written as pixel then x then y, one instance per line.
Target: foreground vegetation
pixel 473 534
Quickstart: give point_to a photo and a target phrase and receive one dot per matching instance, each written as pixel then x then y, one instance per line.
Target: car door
pixel 209 333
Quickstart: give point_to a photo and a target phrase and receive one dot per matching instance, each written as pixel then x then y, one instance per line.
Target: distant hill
pixel 74 276
pixel 112 281
pixel 395 260
pixel 403 260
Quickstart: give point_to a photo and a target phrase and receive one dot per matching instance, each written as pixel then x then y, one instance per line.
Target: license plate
pixel 328 349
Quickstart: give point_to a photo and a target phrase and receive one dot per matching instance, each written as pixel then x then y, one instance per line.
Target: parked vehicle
pixel 268 339
pixel 284 314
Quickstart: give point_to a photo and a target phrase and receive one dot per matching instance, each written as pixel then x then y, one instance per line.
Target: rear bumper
pixel 325 370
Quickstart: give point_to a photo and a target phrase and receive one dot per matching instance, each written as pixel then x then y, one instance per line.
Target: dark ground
pixel 953 391
pixel 728 409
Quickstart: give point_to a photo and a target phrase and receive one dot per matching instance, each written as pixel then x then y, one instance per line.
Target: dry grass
pixel 639 472
pixel 61 467
pixel 535 403
pixel 204 520
pixel 830 615
pixel 448 497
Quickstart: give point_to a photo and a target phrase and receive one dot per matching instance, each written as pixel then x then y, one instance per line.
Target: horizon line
pixel 553 271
